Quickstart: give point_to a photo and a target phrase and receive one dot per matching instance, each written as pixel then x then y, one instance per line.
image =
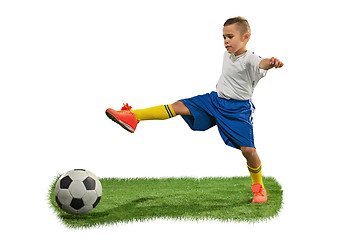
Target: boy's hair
pixel 241 23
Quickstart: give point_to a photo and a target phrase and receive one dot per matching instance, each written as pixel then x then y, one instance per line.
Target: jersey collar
pixel 234 58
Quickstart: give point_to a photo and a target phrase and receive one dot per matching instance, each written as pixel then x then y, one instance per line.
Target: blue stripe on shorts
pixel 233 118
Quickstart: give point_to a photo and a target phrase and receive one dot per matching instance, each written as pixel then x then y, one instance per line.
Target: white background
pixel 62 63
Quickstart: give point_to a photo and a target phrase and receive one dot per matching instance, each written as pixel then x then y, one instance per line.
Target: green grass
pixel 129 200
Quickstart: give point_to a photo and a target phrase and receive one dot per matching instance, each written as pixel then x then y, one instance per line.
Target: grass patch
pixel 129 200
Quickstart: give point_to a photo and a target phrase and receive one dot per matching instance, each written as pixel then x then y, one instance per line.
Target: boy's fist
pixel 274 62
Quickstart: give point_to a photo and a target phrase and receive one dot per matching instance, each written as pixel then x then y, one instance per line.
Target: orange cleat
pixel 125 118
pixel 259 193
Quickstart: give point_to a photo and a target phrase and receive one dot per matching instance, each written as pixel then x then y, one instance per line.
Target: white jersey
pixel 240 75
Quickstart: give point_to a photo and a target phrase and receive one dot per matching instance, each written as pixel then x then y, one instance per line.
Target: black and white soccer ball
pixel 78 191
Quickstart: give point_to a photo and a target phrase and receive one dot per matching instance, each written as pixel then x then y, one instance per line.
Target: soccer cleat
pixel 259 193
pixel 125 118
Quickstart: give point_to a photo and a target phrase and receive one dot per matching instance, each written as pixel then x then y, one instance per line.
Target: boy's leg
pixel 253 163
pixel 252 157
pixel 255 169
pixel 129 119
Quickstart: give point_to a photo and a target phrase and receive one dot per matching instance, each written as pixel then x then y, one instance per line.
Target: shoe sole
pixel 262 201
pixel 122 124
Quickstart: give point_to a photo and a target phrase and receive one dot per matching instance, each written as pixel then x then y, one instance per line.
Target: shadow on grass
pixel 147 208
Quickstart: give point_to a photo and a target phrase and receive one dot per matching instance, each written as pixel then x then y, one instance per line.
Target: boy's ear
pixel 246 37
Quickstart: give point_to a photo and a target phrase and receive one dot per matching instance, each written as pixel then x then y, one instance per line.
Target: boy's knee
pixel 180 109
pixel 248 151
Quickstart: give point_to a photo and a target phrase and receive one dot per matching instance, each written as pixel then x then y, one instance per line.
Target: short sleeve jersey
pixel 240 75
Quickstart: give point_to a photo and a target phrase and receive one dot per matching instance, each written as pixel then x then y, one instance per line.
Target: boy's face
pixel 234 42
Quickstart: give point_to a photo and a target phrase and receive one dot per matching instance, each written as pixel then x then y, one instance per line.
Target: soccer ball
pixel 78 191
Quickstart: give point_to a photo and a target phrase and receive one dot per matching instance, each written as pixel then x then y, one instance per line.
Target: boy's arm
pixel 269 63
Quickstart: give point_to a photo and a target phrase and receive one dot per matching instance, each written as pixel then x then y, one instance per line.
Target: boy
pixel 230 107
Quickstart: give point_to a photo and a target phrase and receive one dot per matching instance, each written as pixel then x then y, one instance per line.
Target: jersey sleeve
pixel 256 73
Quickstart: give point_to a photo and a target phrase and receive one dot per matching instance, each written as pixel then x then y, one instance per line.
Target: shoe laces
pixel 126 107
pixel 257 191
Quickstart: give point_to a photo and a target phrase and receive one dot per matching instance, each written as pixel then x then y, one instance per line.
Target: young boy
pixel 230 107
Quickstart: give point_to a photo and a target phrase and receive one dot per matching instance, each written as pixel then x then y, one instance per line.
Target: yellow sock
pixel 155 113
pixel 256 175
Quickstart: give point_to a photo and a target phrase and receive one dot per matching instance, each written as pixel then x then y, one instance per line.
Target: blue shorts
pixel 233 118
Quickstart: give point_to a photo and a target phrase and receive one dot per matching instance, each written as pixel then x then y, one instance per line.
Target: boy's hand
pixel 269 63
